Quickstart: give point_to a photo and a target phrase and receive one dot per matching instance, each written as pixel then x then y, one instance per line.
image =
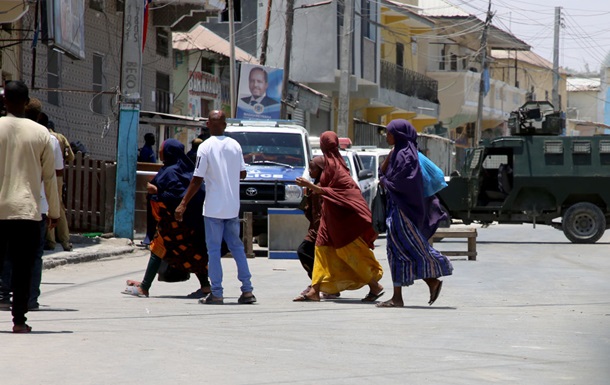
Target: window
pixel 207 65
pixel 98 5
pixel 206 107
pixel 162 42
pixel 162 93
pixel 368 18
pixel 224 15
pixel 53 71
pixel 454 62
pixel 400 54
pixel 98 79
pixel 441 63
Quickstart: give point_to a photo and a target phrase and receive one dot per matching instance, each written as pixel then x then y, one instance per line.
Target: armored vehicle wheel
pixel 584 223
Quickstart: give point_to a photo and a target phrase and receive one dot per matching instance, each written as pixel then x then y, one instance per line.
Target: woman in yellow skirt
pixel 344 259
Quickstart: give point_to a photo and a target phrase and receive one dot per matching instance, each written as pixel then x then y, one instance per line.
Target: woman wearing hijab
pixel 180 244
pixel 343 256
pixel 412 219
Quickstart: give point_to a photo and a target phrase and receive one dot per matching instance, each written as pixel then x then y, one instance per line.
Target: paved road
pixel 532 310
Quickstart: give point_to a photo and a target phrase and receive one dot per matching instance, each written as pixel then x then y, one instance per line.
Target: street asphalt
pixel 531 310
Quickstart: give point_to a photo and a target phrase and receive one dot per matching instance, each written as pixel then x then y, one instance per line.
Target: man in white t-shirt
pixel 221 163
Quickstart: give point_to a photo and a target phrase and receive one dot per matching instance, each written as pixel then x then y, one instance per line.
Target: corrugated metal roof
pixel 525 56
pixel 201 38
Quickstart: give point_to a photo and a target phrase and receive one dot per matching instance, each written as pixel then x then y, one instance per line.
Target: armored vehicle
pixel 536 176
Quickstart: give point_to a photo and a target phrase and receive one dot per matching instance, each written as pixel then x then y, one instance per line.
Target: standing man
pixel 26 158
pixel 62 231
pixel 221 163
pixel 147 152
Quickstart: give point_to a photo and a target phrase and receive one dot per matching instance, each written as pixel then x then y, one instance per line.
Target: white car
pixel 372 158
pixel 361 175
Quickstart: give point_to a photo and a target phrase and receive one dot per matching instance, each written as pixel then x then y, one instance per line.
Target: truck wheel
pixel 584 223
pixel 263 239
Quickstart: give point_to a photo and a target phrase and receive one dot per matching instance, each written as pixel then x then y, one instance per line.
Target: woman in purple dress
pixel 411 217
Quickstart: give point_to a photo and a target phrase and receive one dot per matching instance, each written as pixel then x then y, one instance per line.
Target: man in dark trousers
pixel 27 152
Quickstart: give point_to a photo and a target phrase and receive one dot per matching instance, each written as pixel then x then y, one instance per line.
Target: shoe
pixel 67 246
pixel 211 300
pixel 22 328
pixel 246 299
pixel 307 289
pixel 304 298
pixel 198 294
pixel 34 306
pixel 371 297
pixel 136 291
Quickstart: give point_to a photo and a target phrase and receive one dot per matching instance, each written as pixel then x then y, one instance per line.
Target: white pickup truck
pixel 363 176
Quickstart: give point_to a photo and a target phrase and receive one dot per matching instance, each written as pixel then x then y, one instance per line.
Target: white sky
pixel 585 38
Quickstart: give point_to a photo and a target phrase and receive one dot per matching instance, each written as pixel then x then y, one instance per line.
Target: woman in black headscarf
pixel 180 244
pixel 412 218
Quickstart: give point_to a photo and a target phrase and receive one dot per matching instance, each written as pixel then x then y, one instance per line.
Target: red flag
pixel 146 2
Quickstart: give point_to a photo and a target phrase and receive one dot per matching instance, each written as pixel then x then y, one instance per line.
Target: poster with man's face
pixel 259 92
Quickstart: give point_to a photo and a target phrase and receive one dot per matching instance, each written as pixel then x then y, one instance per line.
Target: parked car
pixel 361 175
pixel 372 158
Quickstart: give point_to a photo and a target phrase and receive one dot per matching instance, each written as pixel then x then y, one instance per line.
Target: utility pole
pixel 556 59
pixel 232 57
pixel 344 68
pixel 484 76
pixel 129 119
pixel 287 52
pixel 265 38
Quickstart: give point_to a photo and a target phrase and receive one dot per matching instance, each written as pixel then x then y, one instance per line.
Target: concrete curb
pixel 70 257
pixel 86 250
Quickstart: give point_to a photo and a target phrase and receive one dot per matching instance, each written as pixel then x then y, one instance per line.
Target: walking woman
pixel 343 256
pixel 180 244
pixel 411 218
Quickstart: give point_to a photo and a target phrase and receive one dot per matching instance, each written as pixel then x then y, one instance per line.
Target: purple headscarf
pixel 404 183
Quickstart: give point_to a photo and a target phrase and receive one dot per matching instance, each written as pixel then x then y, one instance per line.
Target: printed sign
pixel 260 91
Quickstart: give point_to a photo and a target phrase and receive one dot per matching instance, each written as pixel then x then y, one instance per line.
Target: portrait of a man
pixel 256 101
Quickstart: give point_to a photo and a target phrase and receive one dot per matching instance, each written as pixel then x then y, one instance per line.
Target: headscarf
pixel 404 183
pixel 173 179
pixel 345 214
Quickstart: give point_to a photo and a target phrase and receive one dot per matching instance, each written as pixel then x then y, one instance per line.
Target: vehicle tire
pixel 584 223
pixel 263 240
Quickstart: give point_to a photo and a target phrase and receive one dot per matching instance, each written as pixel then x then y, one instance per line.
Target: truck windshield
pixel 271 148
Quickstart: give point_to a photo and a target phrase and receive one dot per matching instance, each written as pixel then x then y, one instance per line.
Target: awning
pixel 202 39
pixel 154 118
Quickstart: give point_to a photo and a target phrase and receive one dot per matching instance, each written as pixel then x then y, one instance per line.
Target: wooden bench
pixel 469 233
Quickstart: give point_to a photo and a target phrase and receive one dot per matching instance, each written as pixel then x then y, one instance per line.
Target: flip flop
pixel 437 292
pixel 370 297
pixel 388 303
pixel 304 298
pixel 131 282
pixel 135 291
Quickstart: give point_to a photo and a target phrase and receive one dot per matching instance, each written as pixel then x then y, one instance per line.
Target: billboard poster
pixel 68 27
pixel 259 92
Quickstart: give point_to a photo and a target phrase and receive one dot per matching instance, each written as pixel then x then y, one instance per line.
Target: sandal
pixel 136 291
pixel 246 299
pixel 372 297
pixel 211 300
pixel 330 296
pixel 198 294
pixel 304 298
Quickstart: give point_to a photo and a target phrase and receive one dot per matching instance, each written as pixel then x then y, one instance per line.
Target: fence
pixel 90 187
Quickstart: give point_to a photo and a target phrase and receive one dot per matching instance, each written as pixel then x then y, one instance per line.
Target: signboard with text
pixel 260 92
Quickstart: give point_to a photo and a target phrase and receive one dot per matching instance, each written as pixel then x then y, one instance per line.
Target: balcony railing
pixel 407 82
